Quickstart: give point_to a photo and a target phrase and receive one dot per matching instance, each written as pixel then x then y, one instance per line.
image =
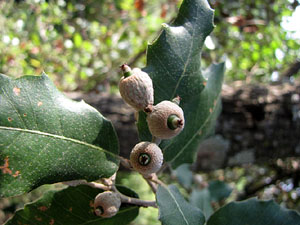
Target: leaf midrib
pixel 177 205
pixel 187 60
pixel 36 132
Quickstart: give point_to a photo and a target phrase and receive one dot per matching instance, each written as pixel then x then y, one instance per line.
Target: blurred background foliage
pixel 81 44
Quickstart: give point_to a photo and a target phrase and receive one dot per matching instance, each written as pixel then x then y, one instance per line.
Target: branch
pixel 132 62
pixel 135 201
pixel 125 162
pixel 75 183
pixel 292 70
pixel 150 182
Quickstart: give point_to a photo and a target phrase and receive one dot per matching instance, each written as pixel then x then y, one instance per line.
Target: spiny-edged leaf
pixel 173 63
pixel 254 212
pixel 46 137
pixel 72 206
pixel 202 200
pixel 174 209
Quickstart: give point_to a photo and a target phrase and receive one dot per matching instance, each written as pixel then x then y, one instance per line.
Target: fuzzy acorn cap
pixel 166 120
pixel 107 204
pixel 146 158
pixel 136 88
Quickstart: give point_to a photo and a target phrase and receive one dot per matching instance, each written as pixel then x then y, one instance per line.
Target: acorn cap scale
pixel 136 88
pixel 146 158
pixel 166 120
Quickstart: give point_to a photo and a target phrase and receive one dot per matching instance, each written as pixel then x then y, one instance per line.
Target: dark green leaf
pixel 174 209
pixel 254 212
pixel 173 63
pixel 202 199
pixel 46 137
pixel 72 206
pixel 144 133
pixel 219 190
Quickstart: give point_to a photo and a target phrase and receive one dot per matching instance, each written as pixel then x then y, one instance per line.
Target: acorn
pixel 107 204
pixel 146 158
pixel 166 119
pixel 136 88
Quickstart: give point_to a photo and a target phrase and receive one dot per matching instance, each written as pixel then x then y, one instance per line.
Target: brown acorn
pixel 107 204
pixel 166 120
pixel 136 88
pixel 146 158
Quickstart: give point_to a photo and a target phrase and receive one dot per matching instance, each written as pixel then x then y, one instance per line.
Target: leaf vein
pixel 177 205
pixel 163 65
pixel 187 61
pixel 58 137
pixel 59 118
pixel 67 210
pixel 34 116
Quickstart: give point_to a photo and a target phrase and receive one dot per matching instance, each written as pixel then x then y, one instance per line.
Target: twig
pixel 75 183
pixel 251 188
pixel 110 182
pixel 125 162
pixel 156 140
pixel 154 179
pixel 135 201
pixel 164 166
pixel 98 185
pixel 137 57
pixel 150 180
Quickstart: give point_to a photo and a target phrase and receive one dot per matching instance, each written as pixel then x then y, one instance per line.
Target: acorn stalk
pixel 126 70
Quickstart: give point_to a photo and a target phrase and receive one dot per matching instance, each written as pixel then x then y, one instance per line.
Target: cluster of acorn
pixel 165 120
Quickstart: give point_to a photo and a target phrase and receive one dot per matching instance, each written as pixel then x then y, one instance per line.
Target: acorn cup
pixel 146 158
pixel 166 119
pixel 136 88
pixel 107 204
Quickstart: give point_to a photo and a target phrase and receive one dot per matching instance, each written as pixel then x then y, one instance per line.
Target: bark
pixel 257 124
